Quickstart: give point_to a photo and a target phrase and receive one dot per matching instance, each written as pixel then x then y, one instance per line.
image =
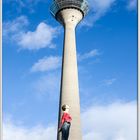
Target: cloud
pixel 47 84
pixel 16 132
pixel 90 54
pixel 116 121
pixel 42 37
pixel 20 5
pixel 17 26
pixel 47 64
pixel 108 82
pixel 132 5
pixel 98 8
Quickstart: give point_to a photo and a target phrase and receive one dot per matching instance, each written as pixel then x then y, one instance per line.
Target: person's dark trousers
pixel 65 130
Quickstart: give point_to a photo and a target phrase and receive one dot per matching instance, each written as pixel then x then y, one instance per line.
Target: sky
pixel 107 68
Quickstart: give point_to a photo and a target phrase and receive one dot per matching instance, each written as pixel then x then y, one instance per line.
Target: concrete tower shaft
pixel 69 83
pixel 69 13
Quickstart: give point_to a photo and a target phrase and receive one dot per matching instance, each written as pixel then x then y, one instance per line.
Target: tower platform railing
pixel 63 4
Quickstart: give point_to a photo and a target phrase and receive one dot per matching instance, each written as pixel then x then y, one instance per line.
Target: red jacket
pixel 65 118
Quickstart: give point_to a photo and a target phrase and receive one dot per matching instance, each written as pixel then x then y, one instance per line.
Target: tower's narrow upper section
pixel 58 5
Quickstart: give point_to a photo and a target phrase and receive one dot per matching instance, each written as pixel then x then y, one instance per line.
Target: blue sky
pixel 107 68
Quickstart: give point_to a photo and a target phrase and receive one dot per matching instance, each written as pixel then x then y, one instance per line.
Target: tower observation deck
pixel 59 5
pixel 69 13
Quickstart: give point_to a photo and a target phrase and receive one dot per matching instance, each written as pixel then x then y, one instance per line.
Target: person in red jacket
pixel 65 122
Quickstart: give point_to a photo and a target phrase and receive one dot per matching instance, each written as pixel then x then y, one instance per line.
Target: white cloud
pixel 116 121
pixel 17 26
pixel 108 82
pixel 48 84
pixel 132 5
pixel 90 54
pixel 42 37
pixel 98 8
pixel 47 64
pixel 24 4
pixel 14 132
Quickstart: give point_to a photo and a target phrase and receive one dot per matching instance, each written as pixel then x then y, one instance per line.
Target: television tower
pixel 69 13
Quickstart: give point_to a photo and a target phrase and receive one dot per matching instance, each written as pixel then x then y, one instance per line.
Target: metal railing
pixel 62 4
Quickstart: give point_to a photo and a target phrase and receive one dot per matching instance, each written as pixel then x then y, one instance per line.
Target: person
pixel 65 123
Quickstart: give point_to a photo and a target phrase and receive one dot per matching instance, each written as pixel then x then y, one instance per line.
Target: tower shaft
pixel 69 93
